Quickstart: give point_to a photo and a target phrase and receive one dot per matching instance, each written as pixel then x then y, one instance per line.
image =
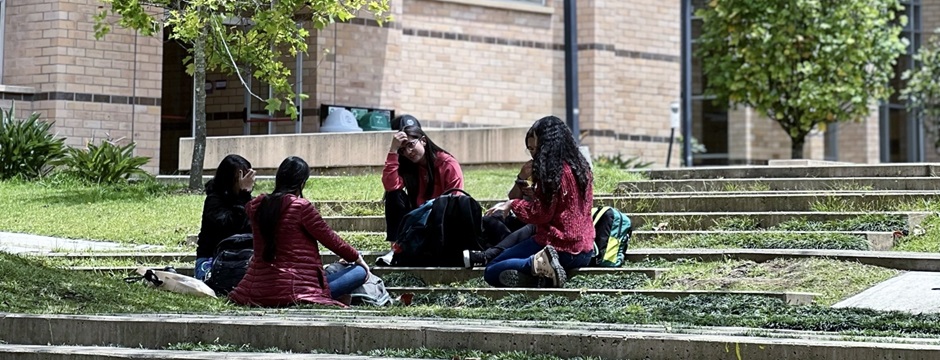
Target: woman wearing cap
pixel 416 170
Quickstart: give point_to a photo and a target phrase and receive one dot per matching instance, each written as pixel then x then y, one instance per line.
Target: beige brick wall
pixel 50 45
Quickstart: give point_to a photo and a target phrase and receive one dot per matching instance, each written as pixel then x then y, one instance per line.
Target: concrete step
pixel 888 259
pixel 700 202
pixel 349 334
pixel 879 241
pixel 677 220
pixel 47 352
pixel 828 171
pixel 782 184
pixel 792 298
pixel 430 276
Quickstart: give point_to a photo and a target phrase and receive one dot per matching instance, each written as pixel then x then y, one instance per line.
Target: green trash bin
pixel 375 121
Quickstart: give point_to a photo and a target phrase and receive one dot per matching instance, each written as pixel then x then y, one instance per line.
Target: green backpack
pixel 609 252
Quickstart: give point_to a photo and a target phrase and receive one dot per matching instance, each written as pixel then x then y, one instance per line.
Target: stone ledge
pixel 45 352
pixel 504 5
pixel 305 334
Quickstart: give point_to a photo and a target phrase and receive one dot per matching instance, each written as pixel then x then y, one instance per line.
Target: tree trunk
pixel 199 138
pixel 796 146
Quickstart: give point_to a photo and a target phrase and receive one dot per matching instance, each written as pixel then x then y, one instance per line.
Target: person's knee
pixel 491 276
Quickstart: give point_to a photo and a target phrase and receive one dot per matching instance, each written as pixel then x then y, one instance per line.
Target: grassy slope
pixel 161 216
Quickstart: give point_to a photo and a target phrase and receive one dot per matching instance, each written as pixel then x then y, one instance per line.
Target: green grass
pixel 27 286
pixel 148 213
pixel 418 353
pixel 757 240
pixel 833 280
pixel 927 242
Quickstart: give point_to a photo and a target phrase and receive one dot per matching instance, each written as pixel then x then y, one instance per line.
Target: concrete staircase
pixel 690 202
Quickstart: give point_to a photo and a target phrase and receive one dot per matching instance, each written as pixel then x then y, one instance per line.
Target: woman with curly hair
pixel 560 209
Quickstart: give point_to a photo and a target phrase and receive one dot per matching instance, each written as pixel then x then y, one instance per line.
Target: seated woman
pixel 560 209
pixel 286 268
pixel 505 230
pixel 416 170
pixel 223 213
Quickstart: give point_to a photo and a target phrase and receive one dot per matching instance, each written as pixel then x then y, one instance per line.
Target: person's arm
pixel 524 173
pixel 223 215
pixel 390 178
pixel 318 228
pixel 451 175
pixel 533 211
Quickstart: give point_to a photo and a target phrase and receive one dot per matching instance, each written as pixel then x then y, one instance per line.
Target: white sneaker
pixel 385 260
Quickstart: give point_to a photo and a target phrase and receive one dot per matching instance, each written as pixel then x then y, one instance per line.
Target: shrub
pixel 27 149
pixel 107 163
pixel 618 162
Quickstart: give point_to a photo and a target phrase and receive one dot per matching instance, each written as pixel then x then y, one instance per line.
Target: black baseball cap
pixel 402 121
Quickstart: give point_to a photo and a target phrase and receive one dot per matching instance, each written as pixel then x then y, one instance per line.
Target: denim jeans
pixel 519 258
pixel 202 267
pixel 343 282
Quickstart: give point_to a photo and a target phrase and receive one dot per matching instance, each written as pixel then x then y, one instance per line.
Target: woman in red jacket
pixel 286 268
pixel 560 209
pixel 416 170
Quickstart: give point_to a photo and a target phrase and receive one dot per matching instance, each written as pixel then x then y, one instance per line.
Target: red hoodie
pixel 448 176
pixel 564 222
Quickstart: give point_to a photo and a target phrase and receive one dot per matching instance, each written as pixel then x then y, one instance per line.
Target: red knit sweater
pixel 448 176
pixel 565 222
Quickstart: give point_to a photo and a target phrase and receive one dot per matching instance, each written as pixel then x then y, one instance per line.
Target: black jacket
pixel 222 216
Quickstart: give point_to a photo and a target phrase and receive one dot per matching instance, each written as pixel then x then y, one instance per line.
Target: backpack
pixel 437 232
pixel 230 263
pixel 609 252
pixel 372 292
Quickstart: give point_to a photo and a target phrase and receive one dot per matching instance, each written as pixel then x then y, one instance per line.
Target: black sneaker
pixel 514 278
pixel 472 259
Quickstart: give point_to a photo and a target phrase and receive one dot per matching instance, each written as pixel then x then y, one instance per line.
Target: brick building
pixel 451 63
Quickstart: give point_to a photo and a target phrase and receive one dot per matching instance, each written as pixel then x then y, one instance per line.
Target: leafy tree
pixel 923 87
pixel 803 63
pixel 232 36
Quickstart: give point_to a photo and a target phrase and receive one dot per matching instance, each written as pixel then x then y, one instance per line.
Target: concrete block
pixel 888 259
pixel 727 172
pixel 829 185
pixel 792 298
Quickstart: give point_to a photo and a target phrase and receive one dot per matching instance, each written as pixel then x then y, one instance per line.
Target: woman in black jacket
pixel 223 214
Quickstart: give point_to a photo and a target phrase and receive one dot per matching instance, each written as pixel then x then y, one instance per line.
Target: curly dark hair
pixel 556 147
pixel 409 170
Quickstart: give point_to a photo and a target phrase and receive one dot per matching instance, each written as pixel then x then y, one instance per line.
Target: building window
pixel 3 17
pixel 709 120
pixel 901 132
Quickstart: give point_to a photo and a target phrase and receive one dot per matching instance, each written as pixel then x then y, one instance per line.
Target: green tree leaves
pixel 803 63
pixel 923 87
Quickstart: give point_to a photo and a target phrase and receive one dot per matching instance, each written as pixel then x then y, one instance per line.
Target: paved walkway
pixel 25 243
pixel 914 292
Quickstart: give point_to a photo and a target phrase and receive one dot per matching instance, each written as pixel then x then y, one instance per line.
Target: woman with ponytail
pixel 286 268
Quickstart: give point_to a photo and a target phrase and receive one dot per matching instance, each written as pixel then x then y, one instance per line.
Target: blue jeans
pixel 202 267
pixel 519 257
pixel 343 282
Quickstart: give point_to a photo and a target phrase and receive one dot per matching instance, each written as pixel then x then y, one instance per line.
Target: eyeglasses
pixel 408 145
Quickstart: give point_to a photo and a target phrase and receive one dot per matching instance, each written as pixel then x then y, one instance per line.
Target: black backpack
pixel 436 233
pixel 230 263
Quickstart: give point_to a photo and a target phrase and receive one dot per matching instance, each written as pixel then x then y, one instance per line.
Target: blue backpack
pixel 436 233
pixel 608 252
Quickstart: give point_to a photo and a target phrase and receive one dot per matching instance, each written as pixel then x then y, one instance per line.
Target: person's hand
pixel 397 139
pixel 246 180
pixel 503 206
pixel 528 192
pixel 526 172
pixel 362 263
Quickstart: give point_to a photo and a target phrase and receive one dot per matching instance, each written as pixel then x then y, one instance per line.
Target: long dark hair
pixel 224 180
pixel 409 170
pixel 290 179
pixel 556 147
